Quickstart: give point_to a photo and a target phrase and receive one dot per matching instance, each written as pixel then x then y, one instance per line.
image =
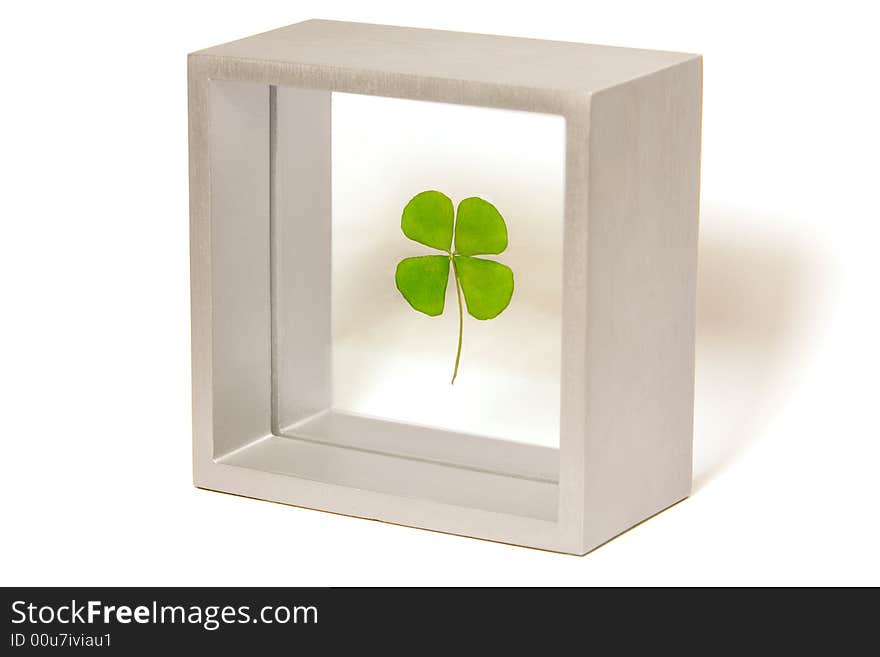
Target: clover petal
pixel 479 228
pixel 428 219
pixel 422 282
pixel 487 285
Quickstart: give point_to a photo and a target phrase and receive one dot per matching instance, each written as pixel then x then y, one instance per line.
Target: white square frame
pixel 630 226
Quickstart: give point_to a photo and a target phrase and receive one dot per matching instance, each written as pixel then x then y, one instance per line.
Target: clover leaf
pixel 476 229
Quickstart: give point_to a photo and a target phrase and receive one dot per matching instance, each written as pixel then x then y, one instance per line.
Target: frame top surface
pixel 478 58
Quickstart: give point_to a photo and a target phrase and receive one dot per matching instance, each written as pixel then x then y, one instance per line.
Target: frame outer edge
pixel 200 266
pixel 574 373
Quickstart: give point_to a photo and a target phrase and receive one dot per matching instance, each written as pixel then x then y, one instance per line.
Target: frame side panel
pixel 644 209
pixel 301 254
pixel 239 221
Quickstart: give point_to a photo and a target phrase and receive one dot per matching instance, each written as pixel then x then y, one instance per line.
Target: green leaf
pixel 487 285
pixel 479 228
pixel 428 219
pixel 422 282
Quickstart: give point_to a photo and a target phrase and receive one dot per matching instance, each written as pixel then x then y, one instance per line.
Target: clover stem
pixel 460 318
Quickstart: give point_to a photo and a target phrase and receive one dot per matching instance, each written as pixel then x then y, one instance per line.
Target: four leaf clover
pixel 477 229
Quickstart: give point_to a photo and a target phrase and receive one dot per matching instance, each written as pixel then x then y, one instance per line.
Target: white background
pixel 94 337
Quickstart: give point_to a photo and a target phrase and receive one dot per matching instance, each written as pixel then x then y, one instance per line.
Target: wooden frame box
pixel 265 427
